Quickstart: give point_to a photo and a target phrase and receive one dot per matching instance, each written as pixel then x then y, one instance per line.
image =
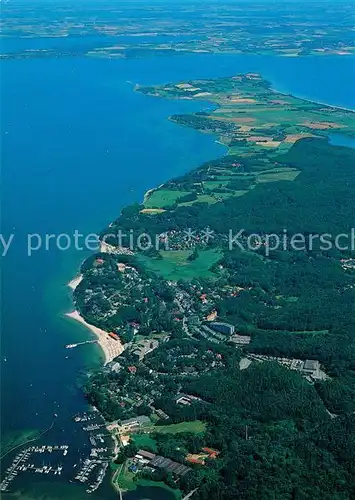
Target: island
pixel 237 377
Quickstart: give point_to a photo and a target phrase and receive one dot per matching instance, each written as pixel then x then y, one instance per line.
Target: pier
pixel 71 346
pixel 85 474
pixel 21 463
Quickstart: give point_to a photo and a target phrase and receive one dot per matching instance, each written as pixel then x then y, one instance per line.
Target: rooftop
pixel 311 364
pixel 146 454
pixel 141 419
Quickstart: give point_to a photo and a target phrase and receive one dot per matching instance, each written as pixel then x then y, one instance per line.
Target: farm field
pixel 162 198
pixel 174 265
pixel 258 125
pixel 196 427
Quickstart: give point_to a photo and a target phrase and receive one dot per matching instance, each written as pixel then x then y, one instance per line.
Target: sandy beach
pixel 110 347
pixel 75 282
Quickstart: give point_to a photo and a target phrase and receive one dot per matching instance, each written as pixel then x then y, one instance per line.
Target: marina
pixel 93 427
pixel 85 417
pixel 92 472
pixel 23 463
pixel 55 460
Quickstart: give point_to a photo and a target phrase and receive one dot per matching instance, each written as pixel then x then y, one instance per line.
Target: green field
pixel 175 265
pixel 196 427
pixel 162 198
pixel 201 198
pixel 235 194
pixel 311 333
pixel 128 481
pixel 146 442
pixel 278 175
pixel 215 183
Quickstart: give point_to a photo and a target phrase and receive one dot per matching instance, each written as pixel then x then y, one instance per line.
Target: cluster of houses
pixel 129 425
pixel 144 347
pixel 218 331
pixel 309 368
pixel 186 399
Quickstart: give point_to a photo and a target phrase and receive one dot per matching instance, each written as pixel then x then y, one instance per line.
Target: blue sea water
pixel 342 140
pixel 78 144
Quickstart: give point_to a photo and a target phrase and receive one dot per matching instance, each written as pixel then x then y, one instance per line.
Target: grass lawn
pixel 278 175
pixel 154 418
pixel 175 265
pixel 124 478
pixel 201 198
pixel 234 194
pixel 146 442
pixel 196 427
pixel 163 198
pixel 128 481
pixel 311 333
pixel 226 175
pixel 215 184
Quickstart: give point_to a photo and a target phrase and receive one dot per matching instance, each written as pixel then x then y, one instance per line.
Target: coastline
pixel 151 191
pixel 102 335
pixel 306 99
pixel 75 282
pixel 110 347
pixel 113 348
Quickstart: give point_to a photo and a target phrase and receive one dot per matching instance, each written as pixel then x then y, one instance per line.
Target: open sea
pixel 77 145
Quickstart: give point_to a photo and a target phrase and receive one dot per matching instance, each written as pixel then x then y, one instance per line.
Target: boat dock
pixel 71 346
pixel 86 472
pixel 100 477
pixel 21 463
pixel 93 427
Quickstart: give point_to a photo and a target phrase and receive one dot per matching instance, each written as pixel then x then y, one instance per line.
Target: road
pixel 190 494
pixel 115 484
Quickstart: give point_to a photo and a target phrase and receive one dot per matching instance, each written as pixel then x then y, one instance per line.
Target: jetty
pixel 71 346
pixel 21 463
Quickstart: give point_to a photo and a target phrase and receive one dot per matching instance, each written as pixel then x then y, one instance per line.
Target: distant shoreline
pixel 312 101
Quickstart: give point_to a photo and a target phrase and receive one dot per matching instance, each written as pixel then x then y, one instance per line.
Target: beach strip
pixel 111 347
pixel 75 282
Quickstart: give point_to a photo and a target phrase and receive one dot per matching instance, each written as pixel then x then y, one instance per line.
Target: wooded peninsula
pixel 238 375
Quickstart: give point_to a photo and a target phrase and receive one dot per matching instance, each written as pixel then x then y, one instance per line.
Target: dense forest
pixel 273 432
